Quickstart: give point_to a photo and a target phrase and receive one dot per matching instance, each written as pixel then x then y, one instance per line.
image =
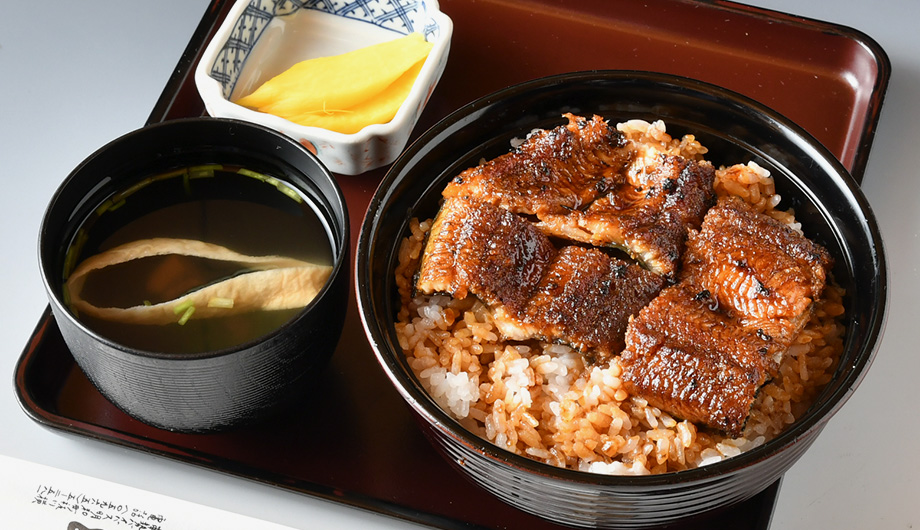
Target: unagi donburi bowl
pixel 233 383
pixel 735 129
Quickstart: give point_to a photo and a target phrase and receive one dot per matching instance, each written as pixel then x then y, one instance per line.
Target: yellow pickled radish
pixel 344 84
pixel 379 109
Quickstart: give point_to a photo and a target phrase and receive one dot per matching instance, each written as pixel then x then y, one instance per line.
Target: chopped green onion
pixel 104 207
pixel 282 187
pixel 69 263
pixel 183 306
pixel 287 190
pixel 249 173
pixel 70 259
pixel 187 315
pixel 224 303
pixel 205 171
pixel 170 174
pixel 132 190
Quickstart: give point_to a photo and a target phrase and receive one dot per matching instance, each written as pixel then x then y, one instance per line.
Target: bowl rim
pixel 210 89
pixel 341 251
pixel 411 390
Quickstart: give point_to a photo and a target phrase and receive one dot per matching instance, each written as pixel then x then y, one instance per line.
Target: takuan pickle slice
pixel 357 88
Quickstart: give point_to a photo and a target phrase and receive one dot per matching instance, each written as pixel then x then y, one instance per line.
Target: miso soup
pixel 180 226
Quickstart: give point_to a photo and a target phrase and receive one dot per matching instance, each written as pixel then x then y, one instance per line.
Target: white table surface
pixel 74 75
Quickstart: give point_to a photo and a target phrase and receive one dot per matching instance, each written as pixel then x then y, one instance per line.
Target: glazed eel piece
pixel 577 180
pixel 553 171
pixel 577 296
pixel 650 219
pixel 704 347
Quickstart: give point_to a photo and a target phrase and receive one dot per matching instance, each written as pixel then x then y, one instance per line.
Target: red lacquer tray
pixel 829 79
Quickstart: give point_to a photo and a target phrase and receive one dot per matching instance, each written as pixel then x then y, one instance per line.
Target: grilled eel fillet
pixel 578 296
pixel 476 248
pixel 757 268
pixel 578 181
pixel 553 171
pixel 650 220
pixel 704 347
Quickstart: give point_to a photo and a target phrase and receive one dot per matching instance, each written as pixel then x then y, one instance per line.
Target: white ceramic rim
pixel 219 106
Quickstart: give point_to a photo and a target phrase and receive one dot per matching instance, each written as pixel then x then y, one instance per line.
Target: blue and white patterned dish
pixel 261 38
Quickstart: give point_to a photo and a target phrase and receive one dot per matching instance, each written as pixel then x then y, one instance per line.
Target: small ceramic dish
pixel 826 200
pixel 209 184
pixel 262 38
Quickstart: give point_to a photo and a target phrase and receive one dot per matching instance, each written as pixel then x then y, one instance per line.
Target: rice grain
pixel 541 400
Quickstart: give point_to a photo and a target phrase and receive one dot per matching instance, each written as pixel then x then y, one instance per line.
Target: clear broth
pixel 247 212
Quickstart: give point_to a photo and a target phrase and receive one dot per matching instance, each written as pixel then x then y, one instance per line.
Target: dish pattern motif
pixel 401 16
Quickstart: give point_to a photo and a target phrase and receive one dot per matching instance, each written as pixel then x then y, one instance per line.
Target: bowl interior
pixel 141 158
pixel 262 39
pixel 826 200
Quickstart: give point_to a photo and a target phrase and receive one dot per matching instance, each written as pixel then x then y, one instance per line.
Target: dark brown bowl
pixel 827 201
pixel 205 390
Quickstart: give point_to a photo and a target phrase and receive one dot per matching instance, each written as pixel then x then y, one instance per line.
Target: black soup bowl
pixel 827 202
pixel 174 192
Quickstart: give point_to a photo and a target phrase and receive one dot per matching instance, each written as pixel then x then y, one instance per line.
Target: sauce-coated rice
pixel 541 400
